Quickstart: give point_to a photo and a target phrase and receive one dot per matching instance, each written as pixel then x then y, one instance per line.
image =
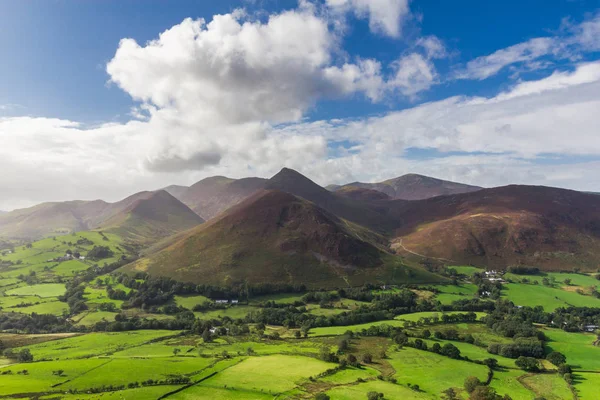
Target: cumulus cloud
pixel 385 16
pixel 210 88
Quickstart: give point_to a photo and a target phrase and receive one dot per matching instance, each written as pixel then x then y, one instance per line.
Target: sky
pixel 105 98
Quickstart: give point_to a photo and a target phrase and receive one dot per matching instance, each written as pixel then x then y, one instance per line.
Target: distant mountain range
pixel 143 216
pixel 289 229
pixel 410 187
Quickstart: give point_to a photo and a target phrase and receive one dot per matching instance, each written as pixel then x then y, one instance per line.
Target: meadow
pixel 273 360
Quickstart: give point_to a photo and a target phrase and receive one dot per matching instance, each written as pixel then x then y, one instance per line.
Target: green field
pixel 190 301
pixel 548 386
pixel 432 372
pixel 270 374
pixel 42 290
pixel 578 347
pixel 94 344
pixel 549 298
pixel 390 390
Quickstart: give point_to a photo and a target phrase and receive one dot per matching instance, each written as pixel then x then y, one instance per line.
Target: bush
pixel 471 383
pixel 529 364
pixel 321 396
pixel 367 358
pixel 374 396
pixel 556 358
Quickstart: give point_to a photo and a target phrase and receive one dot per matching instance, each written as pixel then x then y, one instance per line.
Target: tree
pixel 556 358
pixel 206 336
pixel 25 356
pixel 450 350
pixel 486 393
pixel 568 282
pixel 176 351
pixel 492 363
pixel 426 334
pixel 471 383
pixel 436 348
pixel 450 394
pixel 529 364
pixel 374 396
pixel 322 396
pixel 564 369
pixel 343 345
pixel 367 358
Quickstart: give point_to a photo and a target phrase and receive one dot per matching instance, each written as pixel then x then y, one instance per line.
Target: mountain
pixel 276 237
pixel 360 212
pixel 412 187
pixel 555 229
pixel 212 196
pixel 64 217
pixel 151 216
pixel 176 191
pixel 362 194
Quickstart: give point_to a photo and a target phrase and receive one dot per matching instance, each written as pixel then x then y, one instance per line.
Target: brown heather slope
pixel 276 237
pixel 362 194
pixel 154 216
pixel 550 228
pixel 64 217
pixel 211 196
pixel 412 187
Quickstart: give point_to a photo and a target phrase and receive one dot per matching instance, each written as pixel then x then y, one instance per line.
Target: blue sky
pixel 61 51
pixel 440 89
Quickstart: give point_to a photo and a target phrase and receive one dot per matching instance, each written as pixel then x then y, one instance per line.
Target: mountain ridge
pixel 277 237
pixel 412 187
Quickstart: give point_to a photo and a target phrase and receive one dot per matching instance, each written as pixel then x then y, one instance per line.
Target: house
pixel 590 328
pixel 221 301
pixel 486 293
pixel 234 301
pixel 82 258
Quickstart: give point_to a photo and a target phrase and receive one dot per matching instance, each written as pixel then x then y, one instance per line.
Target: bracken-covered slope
pixel 276 237
pixel 412 187
pixel 530 225
pixel 211 196
pixel 71 216
pixel 154 216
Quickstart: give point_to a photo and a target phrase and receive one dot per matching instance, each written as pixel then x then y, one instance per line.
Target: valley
pixel 293 293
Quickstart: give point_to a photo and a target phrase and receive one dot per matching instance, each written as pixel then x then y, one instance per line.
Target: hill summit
pixel 412 187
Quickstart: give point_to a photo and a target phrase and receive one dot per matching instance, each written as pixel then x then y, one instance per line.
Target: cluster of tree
pixel 475 304
pixel 34 323
pixel 477 391
pixel 74 297
pixel 23 355
pixel 523 270
pixel 507 321
pixel 100 253
pixel 521 347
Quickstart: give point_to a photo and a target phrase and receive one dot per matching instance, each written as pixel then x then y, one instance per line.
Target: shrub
pixel 471 383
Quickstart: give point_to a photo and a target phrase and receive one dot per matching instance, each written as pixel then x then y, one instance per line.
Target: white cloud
pixel 210 88
pixel 433 46
pixel 385 16
pixel 486 66
pixel 413 73
pixel 570 44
